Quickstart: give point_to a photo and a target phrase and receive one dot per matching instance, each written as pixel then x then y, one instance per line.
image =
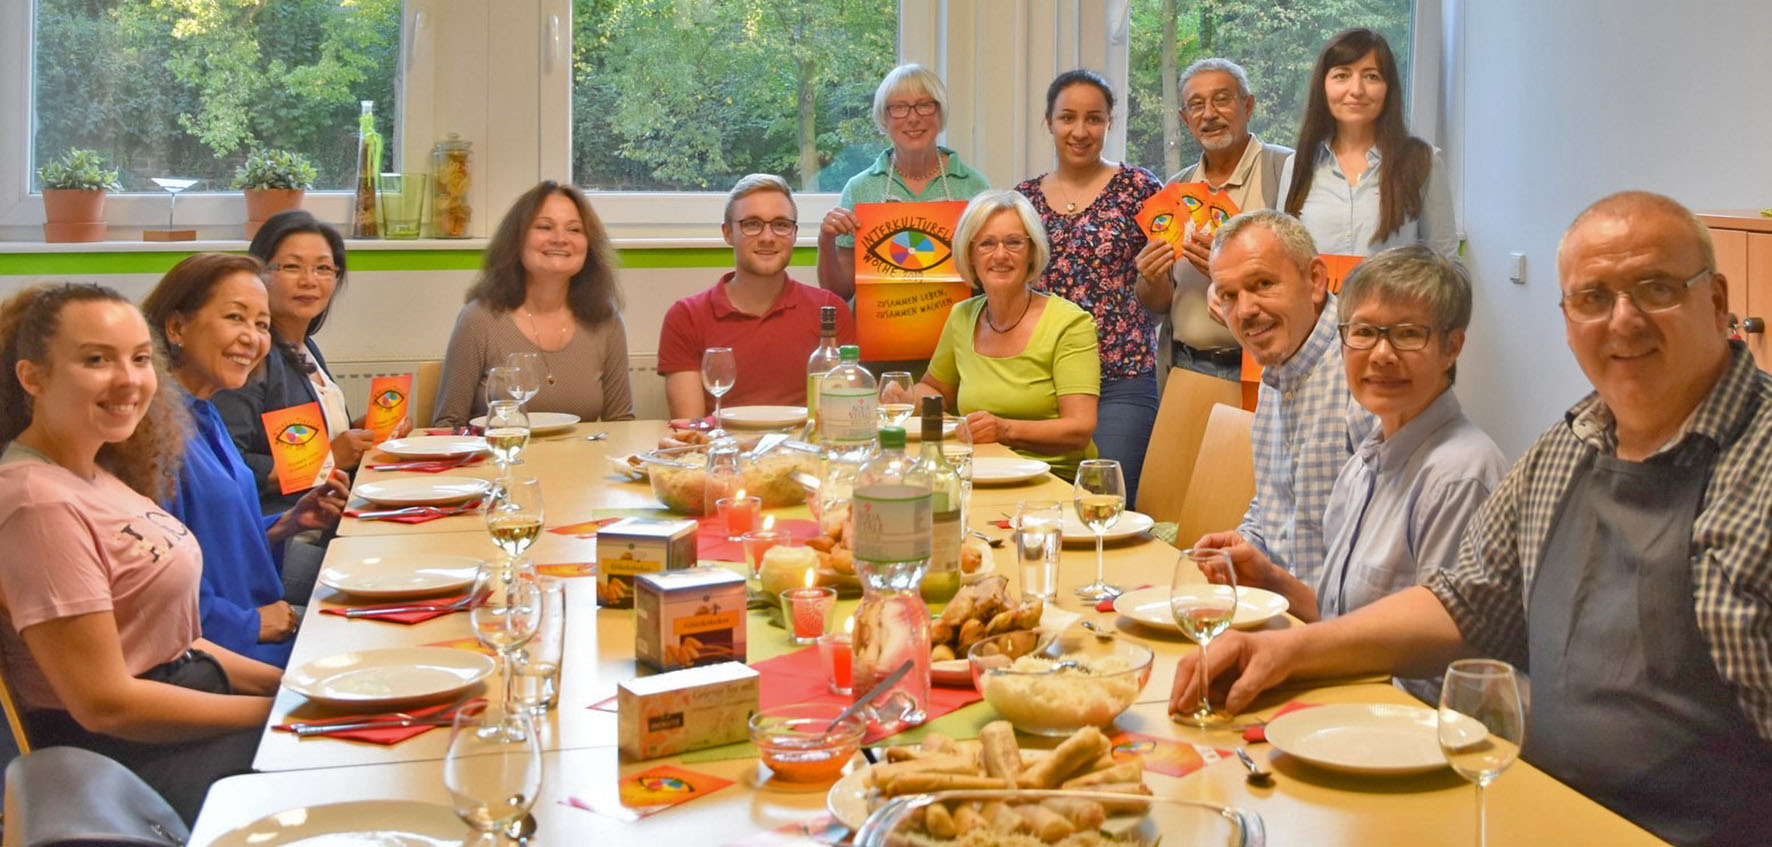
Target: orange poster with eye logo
pixel 300 451
pixel 906 277
pixel 388 396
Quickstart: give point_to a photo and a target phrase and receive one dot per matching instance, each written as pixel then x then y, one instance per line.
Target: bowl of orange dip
pixel 794 742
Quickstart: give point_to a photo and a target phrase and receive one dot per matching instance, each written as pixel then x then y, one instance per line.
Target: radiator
pixel 353 378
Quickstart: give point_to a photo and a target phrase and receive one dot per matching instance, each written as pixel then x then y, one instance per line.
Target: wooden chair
pixel 1223 477
pixel 424 392
pixel 15 719
pixel 1188 397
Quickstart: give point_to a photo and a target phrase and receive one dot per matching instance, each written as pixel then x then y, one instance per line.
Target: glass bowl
pixel 679 476
pixel 793 742
pixel 1101 819
pixel 1039 695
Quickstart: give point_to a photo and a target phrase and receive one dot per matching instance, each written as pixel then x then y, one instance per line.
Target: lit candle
pixel 757 543
pixel 835 652
pixel 740 513
pixel 807 611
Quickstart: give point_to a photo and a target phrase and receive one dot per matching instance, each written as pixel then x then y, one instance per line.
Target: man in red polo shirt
pixel 769 320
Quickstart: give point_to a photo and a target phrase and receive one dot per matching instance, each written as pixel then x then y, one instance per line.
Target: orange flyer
pixel 1180 209
pixel 388 396
pixel 300 451
pixel 1339 267
pixel 906 277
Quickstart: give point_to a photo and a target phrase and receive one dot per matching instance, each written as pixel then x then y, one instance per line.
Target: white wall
pixel 1564 102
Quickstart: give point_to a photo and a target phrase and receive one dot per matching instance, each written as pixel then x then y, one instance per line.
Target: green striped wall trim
pixel 155 262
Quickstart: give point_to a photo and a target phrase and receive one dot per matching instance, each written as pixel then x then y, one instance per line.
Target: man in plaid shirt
pixel 1625 561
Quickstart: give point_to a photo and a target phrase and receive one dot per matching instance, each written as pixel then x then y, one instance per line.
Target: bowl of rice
pixel 679 476
pixel 1069 680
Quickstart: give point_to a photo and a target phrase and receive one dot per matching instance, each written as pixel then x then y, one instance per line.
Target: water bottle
pixel 892 522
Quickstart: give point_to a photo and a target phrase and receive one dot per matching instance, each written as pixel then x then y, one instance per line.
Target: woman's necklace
pixel 1070 205
pixel 535 330
pixel 941 176
pixel 1025 305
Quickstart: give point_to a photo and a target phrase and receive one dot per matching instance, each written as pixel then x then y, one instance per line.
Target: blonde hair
pixel 980 210
pixel 751 184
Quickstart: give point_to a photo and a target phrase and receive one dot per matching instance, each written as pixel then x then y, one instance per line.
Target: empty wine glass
pixel 1100 495
pixel 500 382
pixel 505 617
pixel 530 370
pixel 1481 724
pixel 1203 599
pixel 493 774
pixel 719 371
pixel 514 514
pixel 896 403
pixel 507 432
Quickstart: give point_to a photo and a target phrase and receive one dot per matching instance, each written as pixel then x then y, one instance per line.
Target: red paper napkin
pixel 799 677
pixel 392 734
pixel 711 541
pixel 1259 733
pixel 702 424
pixel 1108 604
pixel 421 516
pixel 400 617
pixel 438 466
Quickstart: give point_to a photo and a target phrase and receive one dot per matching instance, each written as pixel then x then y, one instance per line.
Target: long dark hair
pixel 591 294
pixel 266 244
pixel 1406 159
pixel 148 461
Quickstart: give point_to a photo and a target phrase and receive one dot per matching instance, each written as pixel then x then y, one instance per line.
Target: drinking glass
pixel 507 433
pixel 514 514
pixel 719 371
pixel 1481 724
pixel 538 663
pixel 529 368
pixel 505 618
pixel 500 382
pixel 1100 495
pixel 493 775
pixel 1203 599
pixel 1039 525
pixel 957 449
pixel 896 402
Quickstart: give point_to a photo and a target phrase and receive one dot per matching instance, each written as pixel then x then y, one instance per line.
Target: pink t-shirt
pixel 73 547
pixel 771 348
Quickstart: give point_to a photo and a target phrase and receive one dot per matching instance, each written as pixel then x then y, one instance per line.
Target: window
pixel 1276 43
pixel 176 89
pixel 690 95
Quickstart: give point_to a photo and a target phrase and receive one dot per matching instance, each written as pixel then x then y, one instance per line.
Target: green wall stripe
pixel 156 262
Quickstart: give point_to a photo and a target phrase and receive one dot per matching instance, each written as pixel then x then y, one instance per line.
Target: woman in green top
pixel 910 108
pixel 1020 365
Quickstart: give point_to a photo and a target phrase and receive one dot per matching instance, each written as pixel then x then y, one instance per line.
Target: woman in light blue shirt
pixel 1364 183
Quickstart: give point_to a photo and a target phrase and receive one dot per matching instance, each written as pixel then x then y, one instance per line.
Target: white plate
pixel 395 676
pixel 1129 525
pixel 999 470
pixel 398 575
pixel 913 428
pixel 421 491
pixel 763 417
pixel 847 801
pixel 434 446
pixel 540 422
pixel 1368 738
pixel 1150 606
pixel 367 823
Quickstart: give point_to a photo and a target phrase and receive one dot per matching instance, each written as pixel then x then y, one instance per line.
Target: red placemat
pixel 401 617
pixel 1259 733
pixel 799 677
pixel 1107 605
pixel 396 734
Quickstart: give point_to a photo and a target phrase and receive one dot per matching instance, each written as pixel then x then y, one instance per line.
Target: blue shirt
pixel 1343 218
pixel 218 499
pixel 1399 508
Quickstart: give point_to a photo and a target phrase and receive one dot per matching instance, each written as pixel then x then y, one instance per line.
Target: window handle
pixel 411 39
pixel 551 50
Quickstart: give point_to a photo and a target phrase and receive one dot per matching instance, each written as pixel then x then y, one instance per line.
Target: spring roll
pixel 938 822
pixel 1085 815
pixel 1122 772
pixel 1044 824
pixel 1071 756
pixel 1002 756
pixel 919 782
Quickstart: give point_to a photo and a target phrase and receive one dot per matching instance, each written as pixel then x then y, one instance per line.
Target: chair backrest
pixel 15 719
pixel 1188 397
pixel 1223 479
pixel 69 796
pixel 424 392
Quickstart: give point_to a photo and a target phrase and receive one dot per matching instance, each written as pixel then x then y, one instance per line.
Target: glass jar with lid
pixel 451 172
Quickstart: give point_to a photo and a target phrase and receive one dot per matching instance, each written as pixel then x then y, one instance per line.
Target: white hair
pixel 912 78
pixel 980 210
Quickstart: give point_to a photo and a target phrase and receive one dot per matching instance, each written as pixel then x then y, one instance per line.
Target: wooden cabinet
pixel 1744 257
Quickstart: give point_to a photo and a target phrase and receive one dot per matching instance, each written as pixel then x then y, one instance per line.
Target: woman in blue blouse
pixel 1359 181
pixel 212 316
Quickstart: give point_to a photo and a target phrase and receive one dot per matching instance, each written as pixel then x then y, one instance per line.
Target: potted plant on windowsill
pixel 274 181
pixel 74 189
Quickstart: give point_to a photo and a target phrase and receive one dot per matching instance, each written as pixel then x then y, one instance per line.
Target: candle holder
pixel 835 652
pixel 756 545
pixel 808 612
pixel 740 515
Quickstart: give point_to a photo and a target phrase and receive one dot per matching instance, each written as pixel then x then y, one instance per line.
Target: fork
pixel 366 611
pixel 417 510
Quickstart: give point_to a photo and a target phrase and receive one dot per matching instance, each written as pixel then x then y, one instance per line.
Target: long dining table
pixel 1305 804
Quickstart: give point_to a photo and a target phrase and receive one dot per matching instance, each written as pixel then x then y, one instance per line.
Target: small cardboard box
pixel 690 709
pixel 640 545
pixel 689 617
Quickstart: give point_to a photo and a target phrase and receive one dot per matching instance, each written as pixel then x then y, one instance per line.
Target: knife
pixel 303 730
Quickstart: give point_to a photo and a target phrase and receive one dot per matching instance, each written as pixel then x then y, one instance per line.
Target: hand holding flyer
pixel 388 401
pixel 1180 209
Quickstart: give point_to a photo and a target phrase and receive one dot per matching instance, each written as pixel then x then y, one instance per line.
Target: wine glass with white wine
pixel 529 373
pixel 493 776
pixel 1100 496
pixel 1203 599
pixel 719 372
pixel 507 433
pixel 1481 725
pixel 514 514
pixel 896 402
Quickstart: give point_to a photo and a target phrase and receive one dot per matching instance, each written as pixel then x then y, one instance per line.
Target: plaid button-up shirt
pixel 1305 428
pixel 1487 591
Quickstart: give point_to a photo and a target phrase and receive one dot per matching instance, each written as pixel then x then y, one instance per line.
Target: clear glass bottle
pixel 848 414
pixel 451 173
pixel 823 360
pixel 946 531
pixel 366 210
pixel 725 473
pixel 892 538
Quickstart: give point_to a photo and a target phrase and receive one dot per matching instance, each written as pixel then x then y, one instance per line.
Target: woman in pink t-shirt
pixel 98 593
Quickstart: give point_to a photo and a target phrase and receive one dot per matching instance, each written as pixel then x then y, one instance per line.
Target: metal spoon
pixel 1257 776
pixel 596 437
pixel 1099 631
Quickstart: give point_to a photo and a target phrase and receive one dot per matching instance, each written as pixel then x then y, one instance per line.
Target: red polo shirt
pixel 771 348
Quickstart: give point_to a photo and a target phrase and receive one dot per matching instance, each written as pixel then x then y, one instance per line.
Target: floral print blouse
pixel 1093 266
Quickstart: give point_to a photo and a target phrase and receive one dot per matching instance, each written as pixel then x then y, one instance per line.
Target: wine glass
pixel 1481 724
pixel 499 384
pixel 493 774
pixel 719 371
pixel 1100 494
pixel 529 369
pixel 895 398
pixel 1203 608
pixel 956 447
pixel 514 514
pixel 506 615
pixel 507 433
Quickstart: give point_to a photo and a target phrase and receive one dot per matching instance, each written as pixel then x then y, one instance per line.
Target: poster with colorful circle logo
pixel 388 397
pixel 301 452
pixel 906 277
pixel 1181 209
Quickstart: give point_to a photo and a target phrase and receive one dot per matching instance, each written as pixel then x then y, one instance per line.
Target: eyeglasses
pixel 921 107
pixel 296 271
pixel 1221 102
pixel 1014 244
pixel 1591 305
pixel 1403 337
pixel 780 226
